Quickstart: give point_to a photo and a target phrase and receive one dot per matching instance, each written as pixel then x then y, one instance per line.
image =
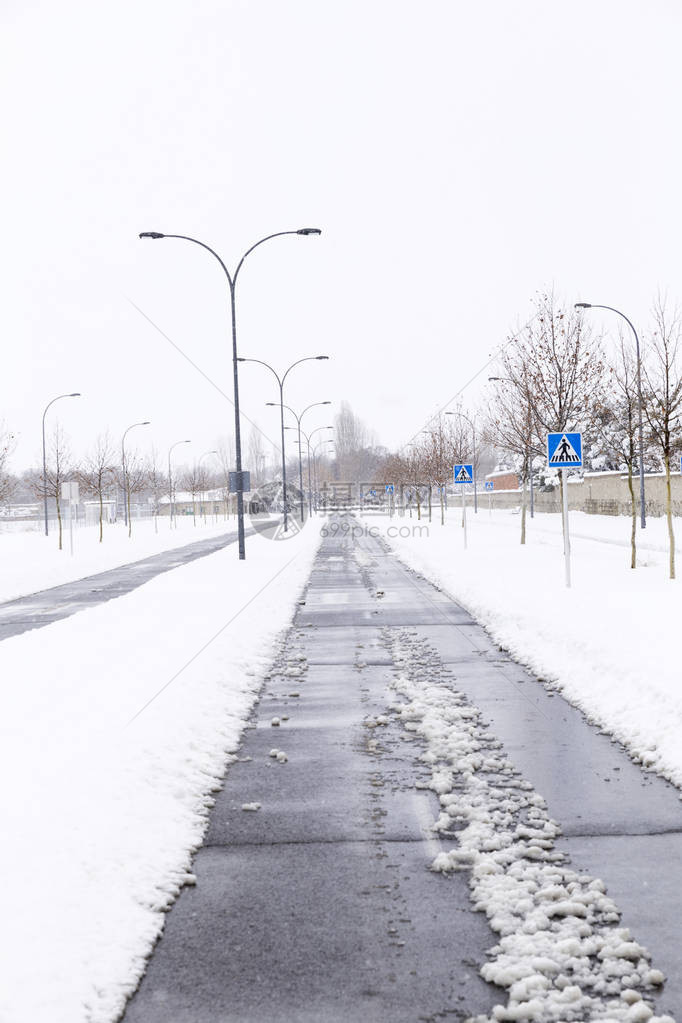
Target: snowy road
pixel 318 903
pixel 39 609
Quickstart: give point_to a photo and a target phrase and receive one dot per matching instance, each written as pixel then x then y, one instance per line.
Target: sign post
pixel 490 486
pixel 390 491
pixel 464 474
pixel 565 451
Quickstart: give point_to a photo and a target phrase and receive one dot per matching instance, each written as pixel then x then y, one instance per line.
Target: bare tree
pixel 8 482
pixel 616 423
pixel 97 471
pixel 255 453
pixel 510 424
pixel 57 470
pixel 157 484
pixel 663 398
pixel 136 482
pixel 194 480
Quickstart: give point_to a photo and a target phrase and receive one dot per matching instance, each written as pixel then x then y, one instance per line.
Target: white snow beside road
pixel 31 561
pixel 609 643
pixel 100 816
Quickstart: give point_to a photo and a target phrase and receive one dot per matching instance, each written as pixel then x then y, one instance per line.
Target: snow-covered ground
pixel 31 561
pixel 117 725
pixel 608 643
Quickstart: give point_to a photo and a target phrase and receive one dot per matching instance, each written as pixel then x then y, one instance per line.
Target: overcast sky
pixel 457 157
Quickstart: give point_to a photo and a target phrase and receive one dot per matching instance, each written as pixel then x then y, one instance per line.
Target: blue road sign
pixel 464 473
pixel 490 485
pixel 389 488
pixel 565 450
pixel 372 493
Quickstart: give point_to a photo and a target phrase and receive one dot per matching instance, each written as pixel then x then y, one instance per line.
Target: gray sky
pixel 457 156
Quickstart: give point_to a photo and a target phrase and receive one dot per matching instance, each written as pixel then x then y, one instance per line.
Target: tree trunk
pixel 59 519
pixel 669 516
pixel 523 512
pixel 429 502
pixel 101 514
pixel 194 510
pixel 130 521
pixel 633 512
pixel 442 508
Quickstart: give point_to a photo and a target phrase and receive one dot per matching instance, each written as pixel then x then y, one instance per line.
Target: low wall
pixel 602 493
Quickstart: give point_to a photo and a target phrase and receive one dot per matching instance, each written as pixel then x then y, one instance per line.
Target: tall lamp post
pixel 308 437
pixel 473 434
pixel 317 447
pixel 74 394
pixel 203 502
pixel 300 457
pixel 170 478
pixel 280 381
pixel 591 305
pixel 232 283
pixel 126 488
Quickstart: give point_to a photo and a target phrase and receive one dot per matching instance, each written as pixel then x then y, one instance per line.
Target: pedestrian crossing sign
pixel 565 450
pixel 464 474
pixel 490 485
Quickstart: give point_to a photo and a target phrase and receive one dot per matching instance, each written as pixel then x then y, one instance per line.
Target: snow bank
pixel 607 644
pixel 101 808
pixel 32 561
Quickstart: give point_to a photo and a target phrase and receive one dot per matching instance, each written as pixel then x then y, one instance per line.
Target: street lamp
pixel 317 447
pixel 74 394
pixel 300 459
pixel 126 487
pixel 203 493
pixel 591 305
pixel 232 282
pixel 280 381
pixel 473 434
pixel 170 480
pixel 308 437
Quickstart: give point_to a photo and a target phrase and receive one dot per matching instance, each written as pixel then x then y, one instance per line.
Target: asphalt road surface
pixel 39 609
pixel 320 906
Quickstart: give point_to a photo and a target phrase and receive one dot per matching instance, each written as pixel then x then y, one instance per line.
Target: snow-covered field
pixel 117 725
pixel 31 561
pixel 609 643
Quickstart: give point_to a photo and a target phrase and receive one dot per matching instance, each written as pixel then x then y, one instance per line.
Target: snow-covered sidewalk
pixel 31 561
pixel 608 643
pixel 117 726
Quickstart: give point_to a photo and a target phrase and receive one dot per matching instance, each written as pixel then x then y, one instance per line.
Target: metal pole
pixel 567 539
pixel 530 480
pixel 473 434
pixel 464 516
pixel 45 475
pixel 284 457
pixel 310 488
pixel 170 491
pixel 300 469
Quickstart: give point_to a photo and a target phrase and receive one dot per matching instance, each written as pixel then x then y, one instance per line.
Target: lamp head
pixel 309 230
pixel 582 305
pixel 76 394
pixel 322 357
pixel 152 234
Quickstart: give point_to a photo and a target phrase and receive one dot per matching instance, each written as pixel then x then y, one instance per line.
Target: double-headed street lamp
pixel 591 305
pixel 232 282
pixel 74 394
pixel 473 434
pixel 126 487
pixel 300 457
pixel 308 438
pixel 280 381
pixel 170 478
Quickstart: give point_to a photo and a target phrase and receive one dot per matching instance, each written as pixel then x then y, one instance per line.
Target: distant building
pixel 504 479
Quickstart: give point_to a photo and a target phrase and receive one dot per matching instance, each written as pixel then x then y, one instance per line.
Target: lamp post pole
pixel 590 305
pixel 280 382
pixel 170 478
pixel 308 437
pixel 300 456
pixel 473 434
pixel 74 394
pixel 232 283
pixel 126 488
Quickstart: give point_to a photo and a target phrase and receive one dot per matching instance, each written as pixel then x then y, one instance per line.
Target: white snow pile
pixel 561 954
